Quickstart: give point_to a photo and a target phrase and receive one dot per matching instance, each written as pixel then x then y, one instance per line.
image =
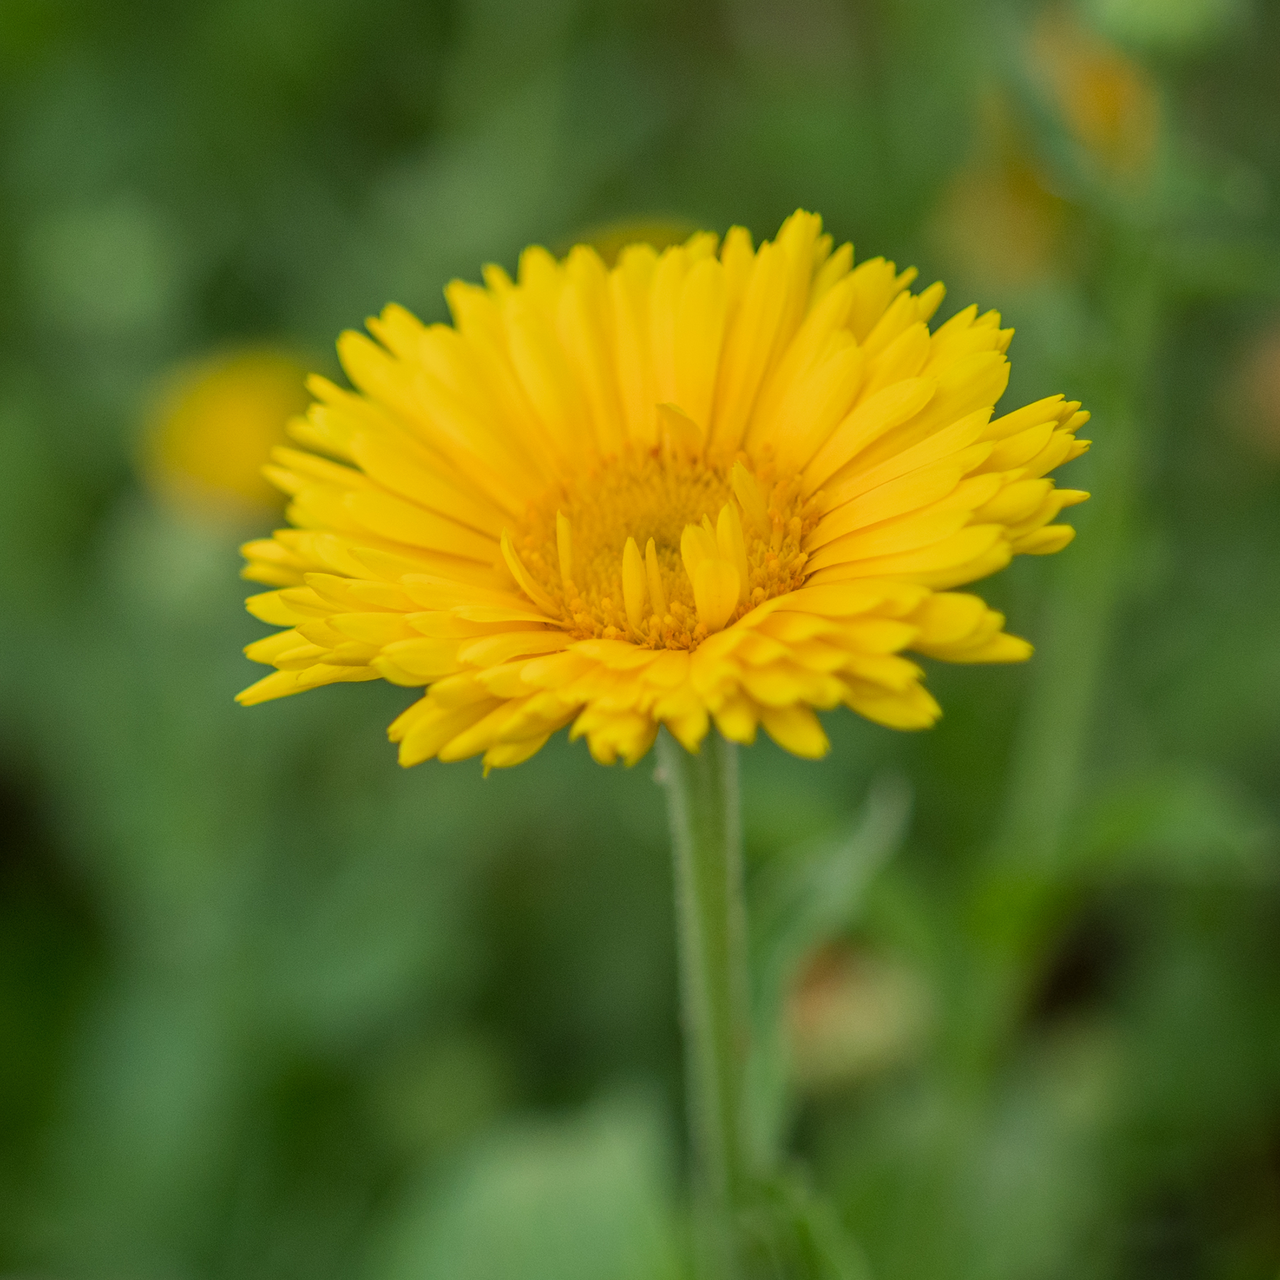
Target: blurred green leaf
pixel 587 1198
pixel 1168 24
pixel 796 902
pixel 794 1233
pixel 1179 824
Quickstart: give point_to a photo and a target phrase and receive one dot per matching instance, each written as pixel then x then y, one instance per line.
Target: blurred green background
pixel 272 1008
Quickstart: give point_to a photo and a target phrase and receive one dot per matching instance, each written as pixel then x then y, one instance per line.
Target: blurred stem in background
pixel 706 836
pixel 1023 878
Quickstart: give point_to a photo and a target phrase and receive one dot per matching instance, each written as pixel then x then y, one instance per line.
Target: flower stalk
pixel 703 800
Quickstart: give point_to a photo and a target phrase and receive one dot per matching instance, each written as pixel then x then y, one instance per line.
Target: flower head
pixel 712 484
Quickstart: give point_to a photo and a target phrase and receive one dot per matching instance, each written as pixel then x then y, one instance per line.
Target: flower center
pixel 662 547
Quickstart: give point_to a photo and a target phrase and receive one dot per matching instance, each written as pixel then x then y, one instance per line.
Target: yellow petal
pixel 733 547
pixel 699 331
pixel 796 729
pixel 681 437
pixel 653 573
pixel 528 584
pixel 564 547
pixel 633 584
pixel 715 591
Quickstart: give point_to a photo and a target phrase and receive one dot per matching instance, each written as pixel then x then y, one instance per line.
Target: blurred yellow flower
pixel 712 483
pixel 215 426
pixel 610 240
pixel 998 224
pixel 1107 101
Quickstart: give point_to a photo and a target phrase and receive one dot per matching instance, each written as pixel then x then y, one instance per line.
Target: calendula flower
pixel 214 427
pixel 713 484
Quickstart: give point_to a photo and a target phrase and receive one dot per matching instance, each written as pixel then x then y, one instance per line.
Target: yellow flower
pixel 1107 101
pixel 998 223
pixel 610 240
pixel 215 426
pixel 704 486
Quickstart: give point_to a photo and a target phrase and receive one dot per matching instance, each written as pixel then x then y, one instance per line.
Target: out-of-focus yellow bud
pixel 1106 100
pixel 214 426
pixel 999 225
pixel 610 239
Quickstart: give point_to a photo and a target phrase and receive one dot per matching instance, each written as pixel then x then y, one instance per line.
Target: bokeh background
pixel 272 1008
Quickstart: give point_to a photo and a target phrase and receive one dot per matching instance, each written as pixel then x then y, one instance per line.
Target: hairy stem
pixel 702 793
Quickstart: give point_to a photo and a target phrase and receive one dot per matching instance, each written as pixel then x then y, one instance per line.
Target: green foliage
pixel 803 899
pixel 584 1199
pixel 272 1009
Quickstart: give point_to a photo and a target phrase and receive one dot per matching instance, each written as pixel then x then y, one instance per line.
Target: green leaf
pixel 794 1234
pixel 585 1198
pixel 1177 823
pixel 800 900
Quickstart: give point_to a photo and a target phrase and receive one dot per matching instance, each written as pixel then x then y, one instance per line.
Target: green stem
pixel 1088 584
pixel 706 835
pixel 1023 881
